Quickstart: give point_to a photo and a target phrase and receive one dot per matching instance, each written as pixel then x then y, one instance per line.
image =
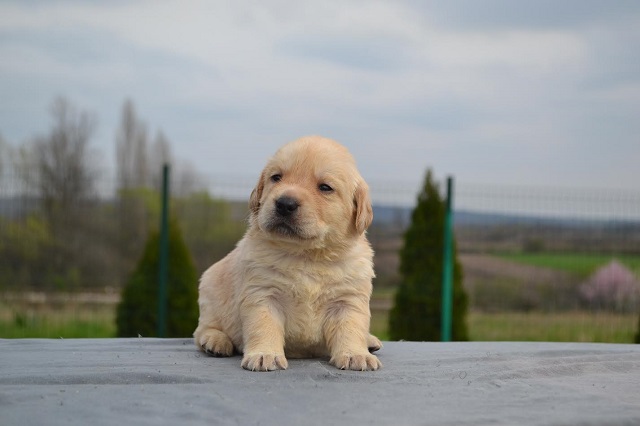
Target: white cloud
pixel 445 85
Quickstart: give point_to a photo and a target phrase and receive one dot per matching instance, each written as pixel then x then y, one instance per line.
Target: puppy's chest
pixel 308 293
pixel 305 304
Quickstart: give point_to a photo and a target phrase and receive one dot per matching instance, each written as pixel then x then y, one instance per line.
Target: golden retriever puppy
pixel 298 283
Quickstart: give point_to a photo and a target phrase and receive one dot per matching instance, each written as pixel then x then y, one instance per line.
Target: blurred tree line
pixel 65 226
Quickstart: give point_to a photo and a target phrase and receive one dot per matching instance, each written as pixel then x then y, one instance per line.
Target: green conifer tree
pixel 416 314
pixel 137 312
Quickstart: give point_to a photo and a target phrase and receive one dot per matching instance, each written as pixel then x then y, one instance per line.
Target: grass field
pixel 579 264
pixel 74 321
pixel 77 321
pixel 539 326
pixel 553 327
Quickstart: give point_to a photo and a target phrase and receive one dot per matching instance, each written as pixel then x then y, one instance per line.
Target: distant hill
pixel 387 215
pixel 15 207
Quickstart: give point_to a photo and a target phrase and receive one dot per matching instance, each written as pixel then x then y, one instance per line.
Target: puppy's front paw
pixel 260 361
pixel 214 342
pixel 373 343
pixel 359 362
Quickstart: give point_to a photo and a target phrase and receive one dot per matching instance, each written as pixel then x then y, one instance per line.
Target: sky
pixel 541 93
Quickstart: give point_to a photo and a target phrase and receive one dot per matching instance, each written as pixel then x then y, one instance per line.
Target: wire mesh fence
pixel 539 263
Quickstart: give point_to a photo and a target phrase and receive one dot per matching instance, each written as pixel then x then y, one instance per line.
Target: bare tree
pixel 159 155
pixel 124 143
pixel 187 179
pixel 58 165
pixel 57 170
pixel 133 180
pixel 8 182
pixel 131 150
pixel 184 177
pixel 139 164
pixel 4 154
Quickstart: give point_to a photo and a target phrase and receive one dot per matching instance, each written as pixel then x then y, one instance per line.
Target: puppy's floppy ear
pixel 256 194
pixel 363 210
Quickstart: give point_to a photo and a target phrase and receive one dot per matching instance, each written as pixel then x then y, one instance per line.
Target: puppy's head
pixel 311 194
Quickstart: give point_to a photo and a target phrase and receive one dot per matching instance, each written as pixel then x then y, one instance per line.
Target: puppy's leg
pixel 263 335
pixel 212 341
pixel 346 332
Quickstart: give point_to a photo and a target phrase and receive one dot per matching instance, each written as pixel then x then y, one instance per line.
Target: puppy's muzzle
pixel 286 206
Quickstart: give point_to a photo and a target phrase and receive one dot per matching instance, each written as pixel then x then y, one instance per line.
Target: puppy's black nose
pixel 285 206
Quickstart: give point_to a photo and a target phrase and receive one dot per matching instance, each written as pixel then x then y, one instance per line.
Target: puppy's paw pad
pixel 215 343
pixel 216 354
pixel 357 362
pixel 260 361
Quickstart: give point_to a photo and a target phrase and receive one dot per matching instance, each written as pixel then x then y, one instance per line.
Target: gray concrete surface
pixel 168 382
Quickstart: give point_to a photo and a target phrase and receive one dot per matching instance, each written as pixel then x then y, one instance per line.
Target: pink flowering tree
pixel 612 287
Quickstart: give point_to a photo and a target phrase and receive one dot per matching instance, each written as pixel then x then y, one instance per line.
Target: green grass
pixel 69 322
pixel 598 327
pixel 538 326
pixel 76 321
pixel 579 264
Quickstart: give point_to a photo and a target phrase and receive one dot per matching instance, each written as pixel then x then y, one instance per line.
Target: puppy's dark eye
pixel 325 188
pixel 276 178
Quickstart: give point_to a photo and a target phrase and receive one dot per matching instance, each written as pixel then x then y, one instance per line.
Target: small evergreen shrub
pixel 416 314
pixel 137 313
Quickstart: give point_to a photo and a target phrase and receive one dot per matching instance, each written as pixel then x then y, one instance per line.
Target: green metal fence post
pixel 447 268
pixel 163 270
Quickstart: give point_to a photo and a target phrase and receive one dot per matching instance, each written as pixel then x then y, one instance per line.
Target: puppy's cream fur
pixel 298 283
